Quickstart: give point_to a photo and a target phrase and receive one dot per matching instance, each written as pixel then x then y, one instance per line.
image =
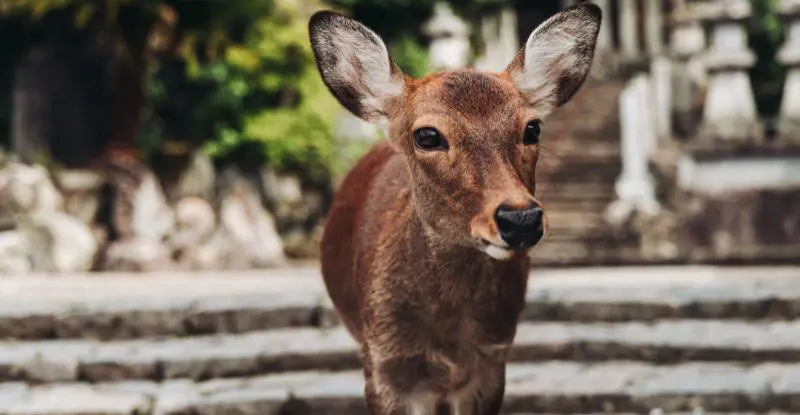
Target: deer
pixel 425 253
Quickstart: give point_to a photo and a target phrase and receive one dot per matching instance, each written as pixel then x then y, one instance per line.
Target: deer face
pixel 471 138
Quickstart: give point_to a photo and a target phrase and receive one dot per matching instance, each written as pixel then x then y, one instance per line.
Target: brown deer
pixel 425 249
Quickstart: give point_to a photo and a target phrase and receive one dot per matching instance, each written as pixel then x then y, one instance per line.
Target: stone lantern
pixel 789 55
pixel 449 34
pixel 687 41
pixel 730 110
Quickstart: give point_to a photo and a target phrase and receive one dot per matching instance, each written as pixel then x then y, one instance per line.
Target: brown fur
pixel 429 306
pixel 403 250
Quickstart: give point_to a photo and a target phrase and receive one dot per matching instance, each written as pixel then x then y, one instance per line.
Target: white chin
pixel 498 253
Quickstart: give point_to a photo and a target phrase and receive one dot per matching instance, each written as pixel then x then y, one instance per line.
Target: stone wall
pixel 126 217
pixel 748 225
pixel 708 216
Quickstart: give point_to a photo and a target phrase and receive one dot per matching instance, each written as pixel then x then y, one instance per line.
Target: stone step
pixel 551 387
pixel 577 152
pixel 573 216
pixel 605 180
pixel 256 353
pixel 591 253
pixel 126 306
pixel 580 205
pixel 584 234
pixel 566 194
pixel 577 161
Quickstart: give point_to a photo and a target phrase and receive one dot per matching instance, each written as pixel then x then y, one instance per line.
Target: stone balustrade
pixel 730 113
pixel 619 36
pixel 501 44
pixel 687 41
pixel 449 34
pixel 631 46
pixel 789 55
pixel 635 186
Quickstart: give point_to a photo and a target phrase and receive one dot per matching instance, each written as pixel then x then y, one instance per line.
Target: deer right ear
pixel 557 57
pixel 355 65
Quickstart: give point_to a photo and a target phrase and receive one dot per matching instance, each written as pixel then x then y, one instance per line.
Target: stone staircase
pixel 577 170
pixel 595 340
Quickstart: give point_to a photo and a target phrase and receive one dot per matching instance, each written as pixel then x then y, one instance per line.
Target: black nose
pixel 520 228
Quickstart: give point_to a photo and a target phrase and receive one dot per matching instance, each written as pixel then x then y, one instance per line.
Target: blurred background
pixel 177 139
pixel 151 135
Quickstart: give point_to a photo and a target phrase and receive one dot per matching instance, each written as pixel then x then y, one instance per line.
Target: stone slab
pixel 75 399
pixel 331 349
pixel 128 306
pixel 552 387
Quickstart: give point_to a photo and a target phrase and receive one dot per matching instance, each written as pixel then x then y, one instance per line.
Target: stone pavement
pixel 593 340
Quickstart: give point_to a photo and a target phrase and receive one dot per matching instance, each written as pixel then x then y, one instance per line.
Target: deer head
pixel 471 138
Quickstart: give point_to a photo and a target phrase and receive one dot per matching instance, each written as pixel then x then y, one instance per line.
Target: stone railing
pixel 706 96
pixel 731 184
pixel 635 186
pixel 620 39
pixel 704 93
pixel 789 55
pixel 629 13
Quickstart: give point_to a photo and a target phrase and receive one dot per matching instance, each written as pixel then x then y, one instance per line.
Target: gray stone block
pixel 77 399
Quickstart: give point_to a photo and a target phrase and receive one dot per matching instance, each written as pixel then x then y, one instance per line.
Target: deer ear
pixel 355 65
pixel 557 57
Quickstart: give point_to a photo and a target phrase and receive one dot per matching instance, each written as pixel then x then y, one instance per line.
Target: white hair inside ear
pixel 355 64
pixel 557 57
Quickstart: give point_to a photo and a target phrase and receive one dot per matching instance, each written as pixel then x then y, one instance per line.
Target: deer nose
pixel 520 228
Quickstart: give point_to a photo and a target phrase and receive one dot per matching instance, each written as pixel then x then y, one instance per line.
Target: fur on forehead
pixel 355 65
pixel 557 57
pixel 467 91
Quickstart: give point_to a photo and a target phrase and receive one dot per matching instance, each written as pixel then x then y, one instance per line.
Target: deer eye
pixel 532 131
pixel 428 138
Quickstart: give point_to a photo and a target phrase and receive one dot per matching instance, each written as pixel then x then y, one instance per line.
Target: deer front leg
pixel 493 403
pixel 393 387
pixel 482 396
pixel 383 401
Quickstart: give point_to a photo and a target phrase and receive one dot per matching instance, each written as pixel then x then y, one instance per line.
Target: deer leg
pixel 383 401
pixel 493 403
pixel 393 386
pixel 482 396
pixel 375 404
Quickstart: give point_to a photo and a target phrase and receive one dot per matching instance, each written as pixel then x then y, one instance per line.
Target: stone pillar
pixel 509 43
pixel 654 25
pixel 635 186
pixel 606 59
pixel 730 110
pixel 449 47
pixel 629 35
pixel 789 55
pixel 687 40
pixel 605 41
pixel 661 72
pixel 499 32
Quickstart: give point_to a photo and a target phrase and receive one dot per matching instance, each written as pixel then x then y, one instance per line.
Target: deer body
pixel 424 253
pixel 443 316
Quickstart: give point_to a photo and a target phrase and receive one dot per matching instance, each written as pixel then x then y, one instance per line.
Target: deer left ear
pixel 355 65
pixel 557 57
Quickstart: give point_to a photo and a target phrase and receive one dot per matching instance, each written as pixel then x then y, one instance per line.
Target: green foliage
pixel 766 34
pixel 410 56
pixel 247 75
pixel 263 92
